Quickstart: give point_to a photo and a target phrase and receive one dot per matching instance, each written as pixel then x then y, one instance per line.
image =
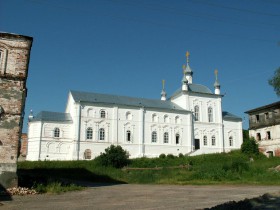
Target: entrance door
pixel 196 144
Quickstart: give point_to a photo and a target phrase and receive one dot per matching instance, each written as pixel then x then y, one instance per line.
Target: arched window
pixel 56 132
pixel 177 137
pixel 177 120
pixel 205 140
pixel 213 140
pixel 102 114
pixel 90 113
pixel 128 136
pixel 128 116
pixel 154 137
pixel 87 154
pixel 196 113
pixel 210 114
pixel 1 144
pixel 166 119
pixel 230 141
pixel 165 137
pixel 154 118
pixel 89 133
pixel 101 134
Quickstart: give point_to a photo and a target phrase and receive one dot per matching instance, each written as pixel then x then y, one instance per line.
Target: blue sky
pixel 126 47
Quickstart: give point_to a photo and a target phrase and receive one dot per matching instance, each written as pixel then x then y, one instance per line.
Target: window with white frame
pixel 56 133
pixel 196 113
pixel 205 140
pixel 101 134
pixel 128 135
pixel 102 114
pixel 165 137
pixel 213 140
pixel 210 114
pixel 154 137
pixel 230 141
pixel 89 133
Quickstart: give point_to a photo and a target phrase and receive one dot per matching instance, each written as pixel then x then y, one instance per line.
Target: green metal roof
pixel 52 117
pixel 124 100
pixel 232 117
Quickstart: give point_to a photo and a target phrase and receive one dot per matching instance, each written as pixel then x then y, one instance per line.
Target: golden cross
pixel 163 82
pixel 216 73
pixel 187 55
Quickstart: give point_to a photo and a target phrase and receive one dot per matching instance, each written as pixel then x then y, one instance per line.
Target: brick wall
pixel 14 60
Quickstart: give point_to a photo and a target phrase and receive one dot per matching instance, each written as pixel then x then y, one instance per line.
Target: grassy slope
pixel 230 168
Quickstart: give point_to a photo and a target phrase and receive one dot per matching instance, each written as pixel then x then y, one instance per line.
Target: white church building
pixel 190 122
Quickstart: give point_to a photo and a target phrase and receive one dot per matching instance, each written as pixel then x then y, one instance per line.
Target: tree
pixel 275 81
pixel 114 156
pixel 250 147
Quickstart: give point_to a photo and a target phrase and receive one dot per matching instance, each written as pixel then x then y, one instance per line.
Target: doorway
pixel 196 144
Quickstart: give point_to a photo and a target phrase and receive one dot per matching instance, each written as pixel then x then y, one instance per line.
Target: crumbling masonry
pixel 14 60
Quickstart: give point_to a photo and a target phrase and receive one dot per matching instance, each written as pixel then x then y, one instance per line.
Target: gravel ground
pixel 132 196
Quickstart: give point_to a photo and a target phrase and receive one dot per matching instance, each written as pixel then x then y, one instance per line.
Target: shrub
pixel 170 156
pixel 181 155
pixel 162 156
pixel 114 156
pixel 250 147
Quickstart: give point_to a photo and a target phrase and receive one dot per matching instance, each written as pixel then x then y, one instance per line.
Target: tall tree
pixel 275 81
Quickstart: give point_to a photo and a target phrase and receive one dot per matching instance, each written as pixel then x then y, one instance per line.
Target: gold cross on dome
pixel 216 73
pixel 187 55
pixel 163 83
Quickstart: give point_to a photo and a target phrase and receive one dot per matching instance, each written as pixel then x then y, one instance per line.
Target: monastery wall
pixel 14 60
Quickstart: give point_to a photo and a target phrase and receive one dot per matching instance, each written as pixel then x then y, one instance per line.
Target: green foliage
pixel 275 81
pixel 181 155
pixel 170 156
pixel 250 147
pixel 114 156
pixel 226 168
pixel 55 187
pixel 246 134
pixel 162 156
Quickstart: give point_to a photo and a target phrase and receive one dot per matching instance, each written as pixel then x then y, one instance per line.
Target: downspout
pixel 79 131
pixel 40 140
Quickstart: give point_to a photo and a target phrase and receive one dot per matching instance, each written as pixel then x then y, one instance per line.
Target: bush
pixel 170 156
pixel 114 156
pixel 181 155
pixel 250 147
pixel 162 156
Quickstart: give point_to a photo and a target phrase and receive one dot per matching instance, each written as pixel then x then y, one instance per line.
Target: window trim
pixel 102 114
pixel 196 113
pixel 213 138
pixel 205 141
pixel 89 133
pixel 101 134
pixel 154 137
pixel 210 114
pixel 166 138
pixel 56 132
pixel 231 141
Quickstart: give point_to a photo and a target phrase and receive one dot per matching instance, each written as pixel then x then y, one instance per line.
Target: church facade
pixel 190 122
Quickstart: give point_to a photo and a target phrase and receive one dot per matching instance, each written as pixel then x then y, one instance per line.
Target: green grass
pixel 228 168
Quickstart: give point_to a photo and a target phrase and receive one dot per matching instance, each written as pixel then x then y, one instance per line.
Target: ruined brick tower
pixel 14 60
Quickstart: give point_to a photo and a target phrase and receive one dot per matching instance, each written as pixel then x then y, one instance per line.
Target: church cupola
pixel 184 79
pixel 188 69
pixel 163 93
pixel 30 116
pixel 217 84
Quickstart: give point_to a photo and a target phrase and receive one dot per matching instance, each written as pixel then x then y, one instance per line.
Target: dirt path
pixel 129 196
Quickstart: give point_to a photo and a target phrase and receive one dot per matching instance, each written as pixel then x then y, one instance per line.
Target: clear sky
pixel 126 47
